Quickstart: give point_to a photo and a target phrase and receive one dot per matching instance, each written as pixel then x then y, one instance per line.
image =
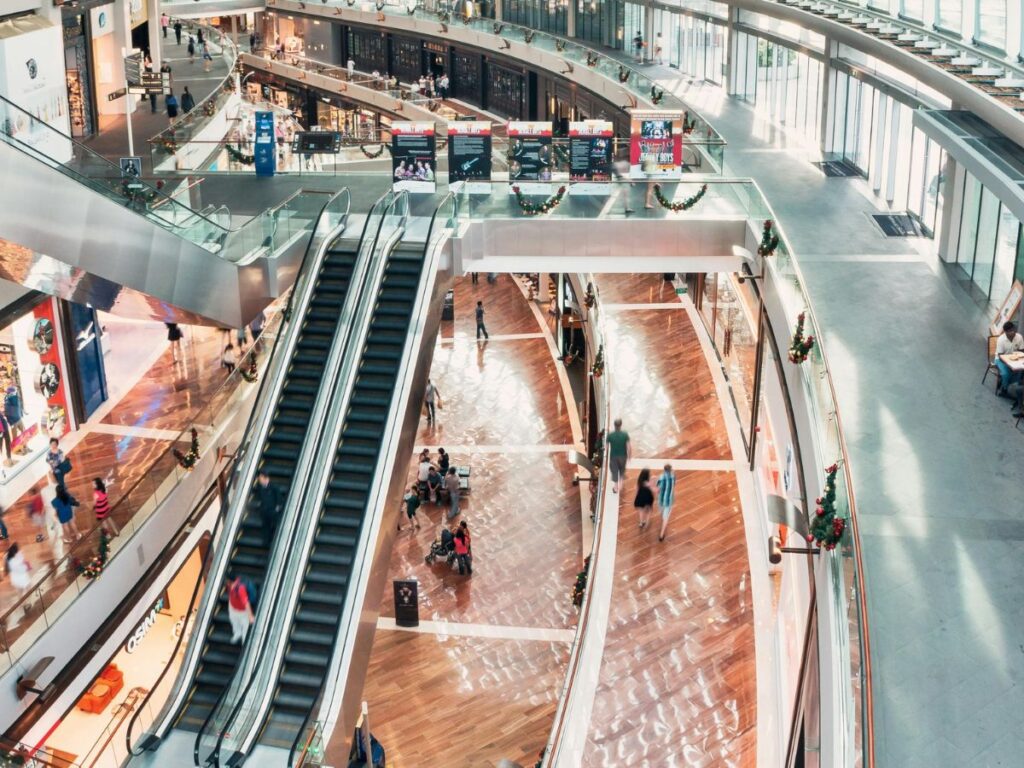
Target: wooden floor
pixel 677 682
pixel 128 443
pixel 480 682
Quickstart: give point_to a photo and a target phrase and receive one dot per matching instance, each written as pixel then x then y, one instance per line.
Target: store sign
pixel 469 154
pixel 529 152
pixel 590 150
pixel 144 626
pixel 413 159
pixel 101 20
pixel 407 604
pixel 265 154
pixel 656 144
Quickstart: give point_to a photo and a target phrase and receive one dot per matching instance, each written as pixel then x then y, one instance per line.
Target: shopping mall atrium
pixel 512 383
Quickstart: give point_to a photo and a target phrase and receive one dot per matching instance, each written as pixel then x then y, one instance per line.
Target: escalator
pixel 317 614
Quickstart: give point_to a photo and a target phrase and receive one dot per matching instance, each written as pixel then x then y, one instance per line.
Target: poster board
pixel 413 159
pixel 265 156
pixel 656 144
pixel 469 154
pixel 590 150
pixel 530 155
pixel 1008 309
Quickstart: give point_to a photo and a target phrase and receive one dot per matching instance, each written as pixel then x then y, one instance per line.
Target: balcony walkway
pixel 936 460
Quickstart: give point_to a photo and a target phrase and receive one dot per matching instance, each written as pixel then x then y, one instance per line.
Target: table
pixel 1013 360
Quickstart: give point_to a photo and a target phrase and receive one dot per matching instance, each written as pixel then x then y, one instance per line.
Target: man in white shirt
pixel 351 68
pixel 1010 341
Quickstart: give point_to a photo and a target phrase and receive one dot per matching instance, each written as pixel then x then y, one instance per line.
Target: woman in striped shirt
pixel 666 495
pixel 101 505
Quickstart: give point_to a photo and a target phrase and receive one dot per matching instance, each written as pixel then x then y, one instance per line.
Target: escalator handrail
pixel 316 490
pixel 432 248
pixel 256 427
pixel 364 276
pixel 278 557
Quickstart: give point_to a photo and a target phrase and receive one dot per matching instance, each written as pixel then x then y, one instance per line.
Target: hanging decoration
pixel 579 589
pixel 210 108
pixel 682 205
pixel 168 144
pixel 95 566
pixel 826 528
pixel 769 240
pixel 188 460
pixel 250 372
pixel 239 156
pixel 535 209
pixel 800 347
pixel 597 369
pixel 372 155
pixel 590 298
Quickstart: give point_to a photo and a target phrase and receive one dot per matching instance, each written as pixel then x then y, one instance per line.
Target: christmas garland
pixel 769 241
pixel 598 367
pixel 95 566
pixel 239 156
pixel 801 346
pixel 168 144
pixel 250 372
pixel 682 205
pixel 589 298
pixel 188 460
pixel 210 108
pixel 826 528
pixel 372 155
pixel 533 209
pixel 597 459
pixel 579 589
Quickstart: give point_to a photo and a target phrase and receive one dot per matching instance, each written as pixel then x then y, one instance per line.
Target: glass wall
pixel 781 82
pixel 538 14
pixel 990 27
pixel 950 15
pixel 989 245
pixel 600 22
pixel 691 45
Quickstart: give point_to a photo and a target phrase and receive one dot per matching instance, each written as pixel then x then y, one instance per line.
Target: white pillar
pixel 153 12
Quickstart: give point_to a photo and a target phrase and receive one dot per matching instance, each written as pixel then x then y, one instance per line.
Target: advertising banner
pixel 469 154
pixel 656 144
pixel 530 156
pixel 590 150
pixel 265 156
pixel 413 159
pixel 45 342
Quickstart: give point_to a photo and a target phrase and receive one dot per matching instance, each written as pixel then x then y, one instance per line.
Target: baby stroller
pixel 442 546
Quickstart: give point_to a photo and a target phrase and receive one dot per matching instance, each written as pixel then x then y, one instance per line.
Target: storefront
pixel 33 372
pixel 79 73
pixel 92 730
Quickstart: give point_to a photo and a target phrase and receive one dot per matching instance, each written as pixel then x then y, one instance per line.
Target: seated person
pixel 1009 341
pixel 434 484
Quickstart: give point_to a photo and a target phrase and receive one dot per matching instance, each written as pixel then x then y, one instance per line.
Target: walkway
pixel 480 678
pixel 934 455
pixel 678 683
pixel 152 399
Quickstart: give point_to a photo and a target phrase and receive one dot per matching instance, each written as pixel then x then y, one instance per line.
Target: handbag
pixel 65 466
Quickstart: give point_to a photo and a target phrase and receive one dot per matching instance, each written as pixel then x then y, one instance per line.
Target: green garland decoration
pixel 168 144
pixel 188 460
pixel 535 209
pixel 579 589
pixel 210 108
pixel 800 347
pixel 826 528
pixel 372 155
pixel 769 240
pixel 598 367
pixel 251 373
pixel 239 156
pixel 682 205
pixel 95 566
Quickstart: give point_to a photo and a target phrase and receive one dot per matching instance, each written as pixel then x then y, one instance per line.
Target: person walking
pixel 191 50
pixel 451 484
pixel 37 513
pixel 19 570
pixel 5 437
pixel 171 103
pixel 666 495
pixel 201 38
pixel 432 398
pixel 270 500
pixel 644 499
pixel 207 58
pixel 412 503
pixel 59 465
pixel 239 609
pixel 619 452
pixel 101 506
pixel 64 505
pixel 462 553
pixel 165 22
pixel 229 359
pixel 14 413
pixel 464 527
pixel 350 66
pixel 480 327
pixel 174 337
pixel 177 32
pixel 188 103
pixel 252 41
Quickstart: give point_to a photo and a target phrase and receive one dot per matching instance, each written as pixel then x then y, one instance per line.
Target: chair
pixel 990 365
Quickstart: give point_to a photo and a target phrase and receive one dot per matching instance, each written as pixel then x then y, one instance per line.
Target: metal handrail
pixel 343 350
pixel 434 240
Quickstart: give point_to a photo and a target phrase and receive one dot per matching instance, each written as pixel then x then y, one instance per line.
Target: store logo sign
pixel 33 69
pixel 101 19
pixel 85 336
pixel 144 626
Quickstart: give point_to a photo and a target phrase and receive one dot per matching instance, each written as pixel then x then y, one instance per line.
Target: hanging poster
pixel 49 381
pixel 656 144
pixel 590 150
pixel 469 154
pixel 529 152
pixel 413 159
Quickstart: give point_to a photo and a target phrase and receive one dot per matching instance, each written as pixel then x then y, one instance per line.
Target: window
pixel 950 15
pixel 912 9
pixel 991 27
